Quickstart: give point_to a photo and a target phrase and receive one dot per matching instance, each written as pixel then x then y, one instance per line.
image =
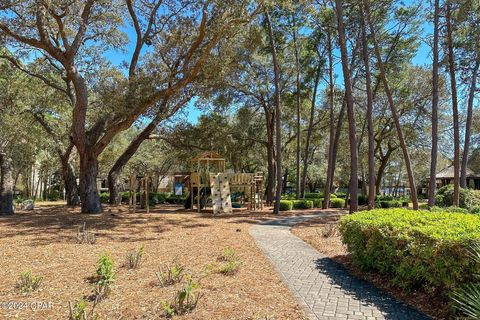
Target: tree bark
pixel 115 171
pixel 383 76
pixel 6 185
pixel 270 156
pixel 278 127
pixel 456 126
pixel 70 181
pixel 297 102
pixel 310 130
pixel 331 141
pixel 432 186
pixel 89 196
pixel 371 138
pixel 468 125
pixel 353 185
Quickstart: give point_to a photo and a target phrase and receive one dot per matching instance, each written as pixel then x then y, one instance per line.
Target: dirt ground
pixel 323 235
pixel 43 241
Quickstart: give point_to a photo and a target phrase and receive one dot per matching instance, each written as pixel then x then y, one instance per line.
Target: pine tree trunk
pixel 432 186
pixel 383 76
pixel 270 157
pixel 353 185
pixel 371 138
pixel 6 185
pixel 278 127
pixel 297 102
pixel 456 126
pixel 468 125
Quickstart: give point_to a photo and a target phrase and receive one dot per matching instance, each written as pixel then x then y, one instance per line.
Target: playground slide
pixel 221 200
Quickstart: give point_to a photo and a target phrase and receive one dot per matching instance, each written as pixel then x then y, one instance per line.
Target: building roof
pixel 447 173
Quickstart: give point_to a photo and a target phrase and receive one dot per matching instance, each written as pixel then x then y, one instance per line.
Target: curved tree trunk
pixel 115 171
pixel 432 186
pixel 70 181
pixel 383 76
pixel 6 185
pixel 353 185
pixel 468 125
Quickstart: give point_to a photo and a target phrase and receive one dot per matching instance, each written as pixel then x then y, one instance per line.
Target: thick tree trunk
pixel 432 185
pixel 383 76
pixel 371 138
pixel 468 125
pixel 456 125
pixel 310 130
pixel 278 127
pixel 353 185
pixel 270 157
pixel 70 181
pixel 89 196
pixel 6 185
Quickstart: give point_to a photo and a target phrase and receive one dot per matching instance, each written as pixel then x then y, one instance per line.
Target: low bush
pixel 313 195
pixel 174 199
pixel 337 203
pixel 448 209
pixel 286 205
pixel 79 311
pixel 384 198
pixel 333 196
pixel 468 198
pixel 362 200
pixel 342 195
pixel 28 282
pixel 185 300
pixel 417 249
pixel 291 196
pixel 104 197
pixel 317 203
pixel 302 204
pixel 388 204
pixel 475 210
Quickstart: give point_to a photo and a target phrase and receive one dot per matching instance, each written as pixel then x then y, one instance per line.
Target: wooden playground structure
pixel 210 175
pixel 141 183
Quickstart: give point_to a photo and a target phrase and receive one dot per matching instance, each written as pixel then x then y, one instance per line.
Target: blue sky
pixel 423 58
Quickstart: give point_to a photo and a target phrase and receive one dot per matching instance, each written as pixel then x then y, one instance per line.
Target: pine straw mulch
pixel 322 234
pixel 43 241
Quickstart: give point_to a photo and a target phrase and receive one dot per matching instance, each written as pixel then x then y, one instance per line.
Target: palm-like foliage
pixel 467 299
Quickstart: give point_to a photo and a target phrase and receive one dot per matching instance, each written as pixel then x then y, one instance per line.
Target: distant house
pixel 445 177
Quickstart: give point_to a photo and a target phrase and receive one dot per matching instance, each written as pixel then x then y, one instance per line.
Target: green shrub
pixel 475 210
pixel 362 200
pixel 104 197
pixel 313 195
pixel 415 248
pixel 125 196
pixel 174 199
pixel 384 198
pixel 333 196
pixel 468 198
pixel 449 209
pixel 291 196
pixel 105 276
pixel 342 195
pixel 302 204
pixel 317 203
pixel 388 204
pixel 185 300
pixel 337 203
pixel 28 282
pixel 286 205
pixel 169 274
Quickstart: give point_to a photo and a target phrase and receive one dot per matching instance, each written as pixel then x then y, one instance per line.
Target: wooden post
pixel 147 195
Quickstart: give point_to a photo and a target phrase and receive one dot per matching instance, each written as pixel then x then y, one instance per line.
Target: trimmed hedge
pixel 317 203
pixel 313 195
pixel 337 203
pixel 389 204
pixel 286 205
pixel 417 249
pixel 173 199
pixel 468 198
pixel 302 204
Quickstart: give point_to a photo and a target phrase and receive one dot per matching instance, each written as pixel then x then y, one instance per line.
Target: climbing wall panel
pixel 220 187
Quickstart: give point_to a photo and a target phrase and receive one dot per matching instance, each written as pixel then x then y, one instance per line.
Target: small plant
pixel 79 311
pixel 134 258
pixel 185 300
pixel 229 263
pixel 105 277
pixel 170 274
pixel 85 236
pixel 28 282
pixel 285 205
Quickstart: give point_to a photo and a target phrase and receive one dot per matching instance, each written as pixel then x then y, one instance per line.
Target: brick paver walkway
pixel 323 287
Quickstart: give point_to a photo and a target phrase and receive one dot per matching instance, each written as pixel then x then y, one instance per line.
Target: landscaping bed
pixel 44 241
